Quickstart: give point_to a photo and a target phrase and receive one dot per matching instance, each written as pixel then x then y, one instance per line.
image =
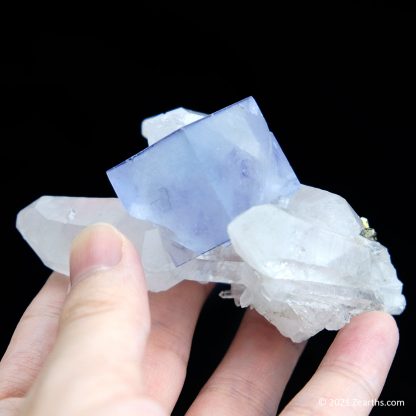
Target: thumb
pixel 103 332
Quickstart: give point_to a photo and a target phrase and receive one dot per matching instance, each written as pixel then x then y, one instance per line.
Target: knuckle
pixel 351 374
pixel 242 389
pixel 295 408
pixel 88 304
pixel 12 388
pixel 49 309
pixel 170 341
pixel 109 303
pixel 21 367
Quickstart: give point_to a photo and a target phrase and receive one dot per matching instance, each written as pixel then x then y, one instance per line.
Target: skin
pixel 100 345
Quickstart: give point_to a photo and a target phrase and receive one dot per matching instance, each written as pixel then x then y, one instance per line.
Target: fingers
pixel 174 315
pixel 353 371
pixel 104 325
pixel 252 376
pixel 32 339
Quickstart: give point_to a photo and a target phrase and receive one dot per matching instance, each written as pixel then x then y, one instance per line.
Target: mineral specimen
pixel 305 261
pixel 196 180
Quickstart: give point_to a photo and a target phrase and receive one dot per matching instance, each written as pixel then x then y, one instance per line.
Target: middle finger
pixel 253 374
pixel 174 314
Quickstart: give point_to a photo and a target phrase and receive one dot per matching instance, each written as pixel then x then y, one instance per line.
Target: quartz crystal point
pixel 157 127
pixel 50 224
pixel 196 180
pixel 301 261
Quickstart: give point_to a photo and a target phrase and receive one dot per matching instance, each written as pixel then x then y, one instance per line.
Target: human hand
pixel 102 347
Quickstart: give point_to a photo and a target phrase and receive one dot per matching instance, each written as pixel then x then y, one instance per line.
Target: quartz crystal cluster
pixel 214 199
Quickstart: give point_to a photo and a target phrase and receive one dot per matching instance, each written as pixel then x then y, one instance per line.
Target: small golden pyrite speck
pixel 368 232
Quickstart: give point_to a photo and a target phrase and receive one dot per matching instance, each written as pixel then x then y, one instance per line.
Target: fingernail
pixel 97 247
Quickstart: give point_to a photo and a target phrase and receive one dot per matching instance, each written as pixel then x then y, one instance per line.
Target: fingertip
pixel 369 337
pixel 378 325
pixel 354 368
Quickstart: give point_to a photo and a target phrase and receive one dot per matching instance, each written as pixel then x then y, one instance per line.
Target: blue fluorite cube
pixel 196 180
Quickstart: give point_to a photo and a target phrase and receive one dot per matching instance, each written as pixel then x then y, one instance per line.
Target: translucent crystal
pixel 196 180
pixel 313 268
pixel 157 127
pixel 50 224
pixel 302 262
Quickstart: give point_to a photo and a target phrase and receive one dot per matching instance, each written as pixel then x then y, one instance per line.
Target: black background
pixel 336 86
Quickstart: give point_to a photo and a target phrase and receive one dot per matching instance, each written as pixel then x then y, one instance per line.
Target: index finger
pixel 353 371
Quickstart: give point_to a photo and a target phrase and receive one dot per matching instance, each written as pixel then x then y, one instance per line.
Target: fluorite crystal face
pixel 196 180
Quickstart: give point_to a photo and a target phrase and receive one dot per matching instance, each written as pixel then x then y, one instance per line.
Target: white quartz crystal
pixel 50 224
pixel 313 268
pixel 157 127
pixel 301 261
